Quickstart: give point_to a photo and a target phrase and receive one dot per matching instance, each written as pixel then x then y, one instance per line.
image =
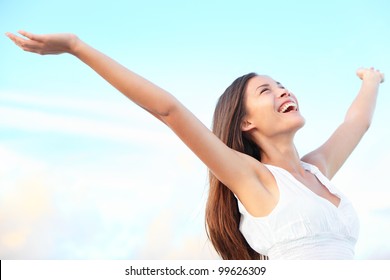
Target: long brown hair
pixel 222 214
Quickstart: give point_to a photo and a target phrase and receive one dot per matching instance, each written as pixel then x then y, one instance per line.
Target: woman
pixel 264 201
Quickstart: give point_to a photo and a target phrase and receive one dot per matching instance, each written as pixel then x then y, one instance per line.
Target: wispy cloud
pixel 80 117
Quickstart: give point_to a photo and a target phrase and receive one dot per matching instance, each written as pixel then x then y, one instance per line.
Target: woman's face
pixel 271 109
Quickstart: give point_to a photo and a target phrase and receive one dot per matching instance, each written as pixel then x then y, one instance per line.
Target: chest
pixel 312 184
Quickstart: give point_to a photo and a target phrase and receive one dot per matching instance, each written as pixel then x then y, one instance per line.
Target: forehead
pixel 259 80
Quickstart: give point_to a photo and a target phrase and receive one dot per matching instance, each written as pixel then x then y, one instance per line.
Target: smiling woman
pixel 265 201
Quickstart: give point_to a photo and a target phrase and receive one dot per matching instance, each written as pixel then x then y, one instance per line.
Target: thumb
pixel 360 72
pixel 30 36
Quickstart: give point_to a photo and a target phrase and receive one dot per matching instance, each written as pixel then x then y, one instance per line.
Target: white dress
pixel 303 225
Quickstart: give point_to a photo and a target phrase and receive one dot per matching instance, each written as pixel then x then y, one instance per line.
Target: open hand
pixel 46 43
pixel 370 73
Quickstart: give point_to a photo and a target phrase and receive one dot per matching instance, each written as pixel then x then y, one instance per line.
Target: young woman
pixel 264 201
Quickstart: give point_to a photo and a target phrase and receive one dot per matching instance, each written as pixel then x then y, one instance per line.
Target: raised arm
pixel 230 167
pixel 335 151
pixel 145 94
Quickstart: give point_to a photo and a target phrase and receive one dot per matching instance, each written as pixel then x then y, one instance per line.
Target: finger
pixel 360 72
pixel 11 36
pixel 31 36
pixel 24 44
pixel 35 48
pixel 16 39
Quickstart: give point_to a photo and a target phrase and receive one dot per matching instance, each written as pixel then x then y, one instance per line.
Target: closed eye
pixel 264 90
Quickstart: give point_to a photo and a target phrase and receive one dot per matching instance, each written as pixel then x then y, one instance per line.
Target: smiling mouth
pixel 288 107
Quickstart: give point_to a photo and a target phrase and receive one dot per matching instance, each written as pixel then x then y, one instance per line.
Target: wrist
pixel 74 44
pixel 372 81
pixel 371 84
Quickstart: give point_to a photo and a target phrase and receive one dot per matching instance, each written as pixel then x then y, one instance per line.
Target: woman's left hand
pixel 370 74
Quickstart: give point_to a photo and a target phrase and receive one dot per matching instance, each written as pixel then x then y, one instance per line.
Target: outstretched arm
pixel 144 93
pixel 230 167
pixel 335 151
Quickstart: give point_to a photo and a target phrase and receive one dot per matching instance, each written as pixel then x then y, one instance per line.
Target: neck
pixel 281 153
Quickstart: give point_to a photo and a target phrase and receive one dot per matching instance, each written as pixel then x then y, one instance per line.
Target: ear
pixel 246 125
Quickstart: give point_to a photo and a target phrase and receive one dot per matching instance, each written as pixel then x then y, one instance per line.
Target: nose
pixel 285 93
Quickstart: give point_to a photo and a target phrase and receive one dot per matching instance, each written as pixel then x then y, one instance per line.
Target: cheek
pixel 267 123
pixel 262 113
pixel 261 105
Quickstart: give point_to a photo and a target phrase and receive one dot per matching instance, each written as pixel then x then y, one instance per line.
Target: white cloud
pixel 25 207
pixel 97 211
pixel 38 121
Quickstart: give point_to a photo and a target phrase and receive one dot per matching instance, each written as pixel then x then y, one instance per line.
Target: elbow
pixel 365 124
pixel 167 109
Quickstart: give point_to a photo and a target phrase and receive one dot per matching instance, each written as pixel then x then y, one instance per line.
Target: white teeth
pixel 285 106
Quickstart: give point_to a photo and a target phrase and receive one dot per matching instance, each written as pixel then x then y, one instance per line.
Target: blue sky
pixel 84 173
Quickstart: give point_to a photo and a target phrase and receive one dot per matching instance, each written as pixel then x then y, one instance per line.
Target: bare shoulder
pixel 315 158
pixel 259 194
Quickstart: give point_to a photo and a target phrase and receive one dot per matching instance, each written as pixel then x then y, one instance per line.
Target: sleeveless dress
pixel 302 225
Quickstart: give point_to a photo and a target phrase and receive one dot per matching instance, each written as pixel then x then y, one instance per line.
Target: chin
pixel 303 121
pixel 298 123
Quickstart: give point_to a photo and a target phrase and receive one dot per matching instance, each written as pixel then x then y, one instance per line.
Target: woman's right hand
pixel 45 43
